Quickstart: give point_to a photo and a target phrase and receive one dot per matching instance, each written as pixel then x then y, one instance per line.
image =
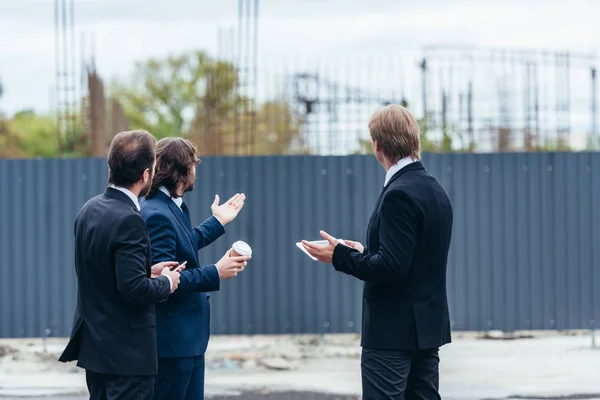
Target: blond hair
pixel 397 133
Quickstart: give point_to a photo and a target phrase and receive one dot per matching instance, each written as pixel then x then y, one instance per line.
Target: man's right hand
pixel 355 245
pixel 229 267
pixel 174 278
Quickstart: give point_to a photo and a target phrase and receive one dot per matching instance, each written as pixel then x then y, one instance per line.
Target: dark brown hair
pixel 174 159
pixel 129 155
pixel 397 133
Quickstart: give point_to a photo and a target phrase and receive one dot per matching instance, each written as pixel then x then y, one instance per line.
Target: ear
pixel 146 175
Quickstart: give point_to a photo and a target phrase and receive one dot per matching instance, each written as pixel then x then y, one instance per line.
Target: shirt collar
pixel 129 194
pixel 177 200
pixel 403 162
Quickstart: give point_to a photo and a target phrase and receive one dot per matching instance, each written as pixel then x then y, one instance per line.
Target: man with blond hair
pixel 405 306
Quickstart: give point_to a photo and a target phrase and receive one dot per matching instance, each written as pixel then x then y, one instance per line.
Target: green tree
pixel 34 135
pixel 195 96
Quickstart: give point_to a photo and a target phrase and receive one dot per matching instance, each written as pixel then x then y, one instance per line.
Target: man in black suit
pixel 405 306
pixel 114 329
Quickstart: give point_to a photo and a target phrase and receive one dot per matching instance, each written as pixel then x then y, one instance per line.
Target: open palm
pixel 227 211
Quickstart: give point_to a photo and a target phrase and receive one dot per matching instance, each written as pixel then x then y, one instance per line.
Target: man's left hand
pixel 157 269
pixel 227 211
pixel 323 253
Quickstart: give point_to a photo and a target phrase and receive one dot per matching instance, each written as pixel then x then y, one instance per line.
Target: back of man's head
pixel 396 132
pixel 130 154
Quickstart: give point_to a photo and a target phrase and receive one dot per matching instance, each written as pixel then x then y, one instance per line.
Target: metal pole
pixel 594 141
pixel 57 81
pixel 470 117
pixel 424 89
pixel 72 78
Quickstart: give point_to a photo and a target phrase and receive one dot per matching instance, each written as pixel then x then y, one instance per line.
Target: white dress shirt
pixel 177 200
pixel 403 162
pixel 129 194
pixel 135 200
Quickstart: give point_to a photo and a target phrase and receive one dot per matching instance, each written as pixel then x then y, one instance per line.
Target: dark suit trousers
pixel 118 387
pixel 180 379
pixel 399 374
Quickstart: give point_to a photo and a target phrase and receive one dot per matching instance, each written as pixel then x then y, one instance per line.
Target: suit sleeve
pixel 398 229
pixel 208 231
pixel 164 248
pixel 133 284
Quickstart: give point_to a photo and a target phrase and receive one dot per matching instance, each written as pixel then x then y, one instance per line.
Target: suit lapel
pixel 181 219
pixel 178 216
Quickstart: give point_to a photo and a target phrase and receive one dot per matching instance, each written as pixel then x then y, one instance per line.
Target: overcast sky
pixel 132 30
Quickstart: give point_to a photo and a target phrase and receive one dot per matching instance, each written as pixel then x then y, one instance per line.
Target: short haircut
pixel 397 133
pixel 174 158
pixel 130 154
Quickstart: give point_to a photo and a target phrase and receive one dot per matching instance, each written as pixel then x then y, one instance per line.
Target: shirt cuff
pixel 223 225
pixel 170 283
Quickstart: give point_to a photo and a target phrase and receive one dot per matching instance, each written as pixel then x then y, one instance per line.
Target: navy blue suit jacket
pixel 182 321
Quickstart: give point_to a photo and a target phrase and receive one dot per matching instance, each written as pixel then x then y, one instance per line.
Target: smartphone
pixel 178 268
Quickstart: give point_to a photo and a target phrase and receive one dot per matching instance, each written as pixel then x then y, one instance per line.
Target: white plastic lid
pixel 242 248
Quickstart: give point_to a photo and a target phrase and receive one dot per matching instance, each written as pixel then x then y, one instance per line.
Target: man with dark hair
pixel 114 329
pixel 405 306
pixel 183 322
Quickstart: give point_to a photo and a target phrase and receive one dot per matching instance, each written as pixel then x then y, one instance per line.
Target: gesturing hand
pixel 227 211
pixel 323 253
pixel 229 267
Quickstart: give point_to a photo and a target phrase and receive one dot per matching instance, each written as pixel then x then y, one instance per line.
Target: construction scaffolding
pixel 65 88
pixel 509 100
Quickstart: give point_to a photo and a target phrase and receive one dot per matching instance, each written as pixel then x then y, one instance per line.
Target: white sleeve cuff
pixel 170 282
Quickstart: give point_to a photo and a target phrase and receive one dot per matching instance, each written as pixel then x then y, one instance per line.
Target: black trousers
pixel 118 387
pixel 399 374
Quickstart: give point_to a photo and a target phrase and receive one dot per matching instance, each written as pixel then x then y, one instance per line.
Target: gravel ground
pixel 254 395
pixel 538 366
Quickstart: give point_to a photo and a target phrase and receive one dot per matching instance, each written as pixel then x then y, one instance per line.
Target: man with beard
pixel 114 330
pixel 183 321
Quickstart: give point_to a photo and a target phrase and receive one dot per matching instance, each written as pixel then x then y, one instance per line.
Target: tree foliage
pixel 27 134
pixel 195 96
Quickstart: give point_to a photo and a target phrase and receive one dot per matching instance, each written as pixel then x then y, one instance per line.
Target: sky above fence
pixel 310 28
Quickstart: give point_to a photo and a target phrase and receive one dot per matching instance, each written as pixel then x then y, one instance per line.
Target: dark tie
pixel 186 213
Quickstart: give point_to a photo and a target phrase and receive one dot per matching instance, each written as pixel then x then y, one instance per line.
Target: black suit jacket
pixel 114 329
pixel 405 305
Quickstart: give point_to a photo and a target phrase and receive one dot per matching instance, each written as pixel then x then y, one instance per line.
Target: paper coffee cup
pixel 240 248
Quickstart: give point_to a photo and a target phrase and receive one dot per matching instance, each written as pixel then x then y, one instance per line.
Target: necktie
pixel 186 213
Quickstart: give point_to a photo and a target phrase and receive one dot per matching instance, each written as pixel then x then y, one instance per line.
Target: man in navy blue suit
pixel 183 321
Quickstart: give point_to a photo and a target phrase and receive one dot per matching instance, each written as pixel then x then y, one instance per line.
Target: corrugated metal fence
pixel 525 251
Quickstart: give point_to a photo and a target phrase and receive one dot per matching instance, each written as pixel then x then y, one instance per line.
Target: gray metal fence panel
pixel 524 252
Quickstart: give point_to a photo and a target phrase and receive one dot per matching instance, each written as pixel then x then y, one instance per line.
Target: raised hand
pixel 227 211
